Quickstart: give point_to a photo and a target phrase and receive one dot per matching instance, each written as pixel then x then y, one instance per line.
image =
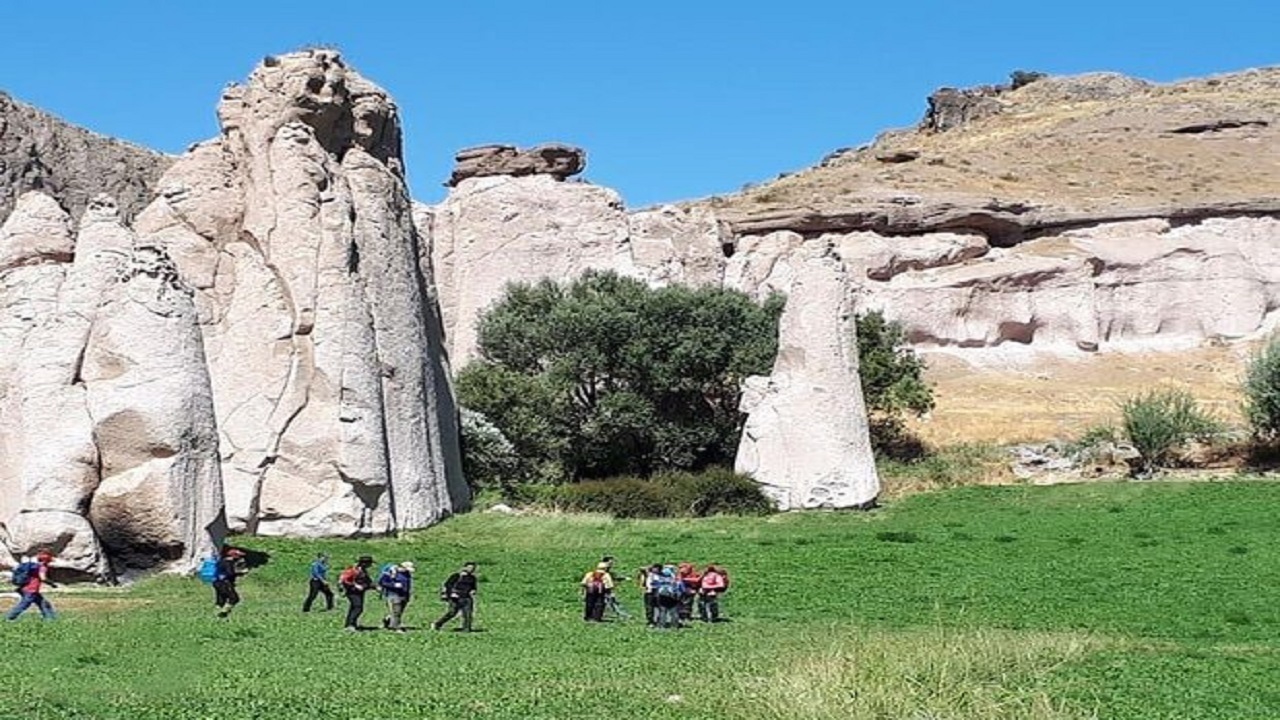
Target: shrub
pixel 713 492
pixel 892 384
pixel 1262 392
pixel 1161 422
pixel 489 460
pixel 606 376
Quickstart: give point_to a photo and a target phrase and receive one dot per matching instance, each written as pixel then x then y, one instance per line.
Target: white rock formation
pixel 492 231
pixel 106 417
pixel 271 328
pixel 806 438
pixel 323 339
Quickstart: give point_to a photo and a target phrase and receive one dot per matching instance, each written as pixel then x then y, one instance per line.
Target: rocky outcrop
pixel 41 152
pixel 323 339
pixel 268 329
pixel 105 406
pixel 806 439
pixel 493 231
pixel 553 159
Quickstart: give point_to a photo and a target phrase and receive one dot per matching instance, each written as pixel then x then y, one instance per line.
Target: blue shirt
pixel 320 570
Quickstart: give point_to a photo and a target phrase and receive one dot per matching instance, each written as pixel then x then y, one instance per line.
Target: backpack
pixel 24 572
pixel 348 577
pixel 595 586
pixel 208 570
pixel 666 587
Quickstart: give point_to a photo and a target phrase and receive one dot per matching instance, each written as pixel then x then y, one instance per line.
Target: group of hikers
pixel 394 582
pixel 670 593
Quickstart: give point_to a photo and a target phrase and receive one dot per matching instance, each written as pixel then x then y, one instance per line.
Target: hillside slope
pixel 1090 143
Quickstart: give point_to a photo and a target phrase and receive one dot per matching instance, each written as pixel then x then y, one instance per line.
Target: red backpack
pixel 348 577
pixel 595 585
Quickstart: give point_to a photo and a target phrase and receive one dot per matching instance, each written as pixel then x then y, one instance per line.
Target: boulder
pixel 806 439
pixel 553 159
pixel 110 391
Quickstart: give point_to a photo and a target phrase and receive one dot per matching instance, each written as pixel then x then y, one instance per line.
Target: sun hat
pixel 408 565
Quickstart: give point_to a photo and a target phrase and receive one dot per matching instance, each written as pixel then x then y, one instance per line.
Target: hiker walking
pixel 319 584
pixel 691 580
pixel 611 596
pixel 646 579
pixel 397 587
pixel 714 584
pixel 596 585
pixel 668 590
pixel 29 578
pixel 355 582
pixel 226 573
pixel 459 590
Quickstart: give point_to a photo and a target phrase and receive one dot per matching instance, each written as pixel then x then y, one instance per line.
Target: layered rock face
pixel 806 439
pixel 108 439
pixel 41 152
pixel 323 338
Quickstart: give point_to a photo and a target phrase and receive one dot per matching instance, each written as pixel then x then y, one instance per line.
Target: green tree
pixel 606 376
pixel 892 381
pixel 1262 392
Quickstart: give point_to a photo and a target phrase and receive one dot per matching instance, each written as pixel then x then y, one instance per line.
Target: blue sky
pixel 672 100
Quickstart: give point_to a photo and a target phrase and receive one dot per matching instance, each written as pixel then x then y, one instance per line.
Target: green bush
pixel 892 385
pixel 1262 392
pixel 1159 423
pixel 489 460
pixel 712 492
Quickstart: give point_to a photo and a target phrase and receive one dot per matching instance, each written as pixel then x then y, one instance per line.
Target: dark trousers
pixel 593 607
pixel 462 605
pixel 225 595
pixel 668 612
pixel 318 587
pixel 30 599
pixel 686 606
pixel 709 607
pixel 651 608
pixel 355 608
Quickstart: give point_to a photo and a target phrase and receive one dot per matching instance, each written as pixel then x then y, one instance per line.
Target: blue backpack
pixel 666 587
pixel 208 570
pixel 24 572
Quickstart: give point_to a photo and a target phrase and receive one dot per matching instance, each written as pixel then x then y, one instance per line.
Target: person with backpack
pixel 30 577
pixel 646 579
pixel 319 584
pixel 611 596
pixel 596 585
pixel 396 584
pixel 691 580
pixel 714 584
pixel 459 590
pixel 227 571
pixel 355 582
pixel 668 589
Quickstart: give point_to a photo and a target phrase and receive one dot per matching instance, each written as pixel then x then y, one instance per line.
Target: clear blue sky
pixel 672 100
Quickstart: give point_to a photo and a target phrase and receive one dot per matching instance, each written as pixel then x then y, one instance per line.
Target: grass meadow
pixel 1109 600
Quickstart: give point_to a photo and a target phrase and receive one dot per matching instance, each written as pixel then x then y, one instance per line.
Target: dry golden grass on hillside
pixel 1059 398
pixel 1053 145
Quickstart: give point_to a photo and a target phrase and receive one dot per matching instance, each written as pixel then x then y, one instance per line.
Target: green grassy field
pixel 1151 600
